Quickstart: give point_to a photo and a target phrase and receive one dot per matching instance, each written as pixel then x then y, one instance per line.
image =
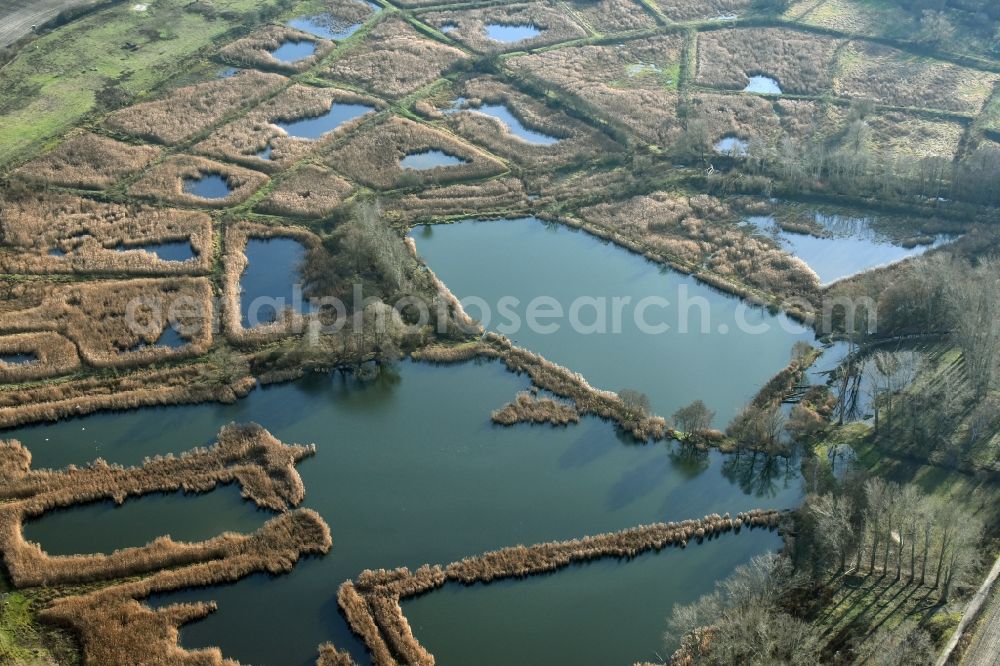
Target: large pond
pixel 207 186
pixel 847 246
pixel 409 470
pixel 293 51
pixel 716 348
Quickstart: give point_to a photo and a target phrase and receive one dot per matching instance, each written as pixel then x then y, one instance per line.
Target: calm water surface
pixel 316 126
pixel 429 159
pixel 169 251
pixel 207 186
pixel 502 32
pixel 503 113
pixel 764 85
pixel 294 51
pixel 268 284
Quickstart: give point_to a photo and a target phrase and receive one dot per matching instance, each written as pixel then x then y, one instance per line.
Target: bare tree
pixel 694 418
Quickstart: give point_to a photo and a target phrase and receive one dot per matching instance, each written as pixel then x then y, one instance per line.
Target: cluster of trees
pixel 877 526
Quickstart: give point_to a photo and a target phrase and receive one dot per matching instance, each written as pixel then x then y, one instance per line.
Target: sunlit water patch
pixel 503 113
pixel 764 85
pixel 708 335
pixel 509 34
pixel 294 51
pixel 314 127
pixel 207 186
pixel 168 251
pixel 849 245
pixel 732 146
pixel 18 359
pixel 325 26
pixel 430 159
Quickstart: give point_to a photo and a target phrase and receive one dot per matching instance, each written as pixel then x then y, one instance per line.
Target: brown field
pixel 114 627
pixel 87 233
pixel 393 60
pixel 185 112
pixel 612 16
pixel 529 408
pixel 631 86
pixel 234 263
pixel 187 384
pixel 889 76
pixel 856 18
pixel 460 200
pixel 311 191
pixel 165 181
pixel 255 51
pixel 801 62
pixel 88 161
pixel 470 25
pixel 242 139
pixel 577 141
pixel 371 602
pixel 372 157
pixel 248 456
pixel 116 324
pixel 699 233
pixel 905 137
pixel 54 356
pixel 692 10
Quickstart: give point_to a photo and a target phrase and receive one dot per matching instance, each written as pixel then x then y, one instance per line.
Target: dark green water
pixel 723 358
pixel 410 470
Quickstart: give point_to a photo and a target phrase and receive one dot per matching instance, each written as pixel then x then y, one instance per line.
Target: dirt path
pixel 986 643
pixel 17 16
pixel 985 648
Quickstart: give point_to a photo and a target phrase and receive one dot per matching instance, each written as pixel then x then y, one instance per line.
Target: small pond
pixel 294 51
pixel 169 251
pixel 507 33
pixel 18 359
pixel 764 85
pixel 108 526
pixel 228 72
pixel 207 186
pixel 325 26
pixel 732 146
pixel 430 159
pixel 271 282
pixel 265 153
pixel 313 127
pixel 849 245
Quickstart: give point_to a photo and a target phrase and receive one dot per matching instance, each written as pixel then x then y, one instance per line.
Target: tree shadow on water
pixel 639 482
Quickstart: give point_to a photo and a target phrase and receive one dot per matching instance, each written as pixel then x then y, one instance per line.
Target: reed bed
pixel 329 655
pixel 632 86
pixel 165 181
pixel 783 383
pixel 393 60
pixel 890 76
pixel 311 191
pixel 700 233
pixel 469 25
pixel 902 136
pixel 613 16
pixel 801 62
pixel 116 324
pixel 53 354
pixel 234 263
pixel 241 140
pixel 46 233
pixel 578 142
pixel 246 455
pixel 371 602
pixel 255 50
pixel 188 384
pixel 114 627
pixel 529 408
pixel 188 111
pixel 372 157
pixel 693 10
pixel 88 162
pixel 461 199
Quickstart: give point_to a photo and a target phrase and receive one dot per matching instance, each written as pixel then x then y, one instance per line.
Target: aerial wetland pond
pixel 646 332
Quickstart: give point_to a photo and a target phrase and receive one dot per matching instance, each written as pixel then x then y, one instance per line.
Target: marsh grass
pixel 555 24
pixel 187 111
pixel 255 50
pixel 372 156
pixel 459 200
pixel 692 10
pixel 45 233
pixel 613 16
pixel 393 60
pixel 801 62
pixel 529 408
pixel 88 161
pixel 311 191
pixel 54 355
pixel 165 181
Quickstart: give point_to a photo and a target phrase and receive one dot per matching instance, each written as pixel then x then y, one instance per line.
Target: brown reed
pixel 165 181
pixel 88 161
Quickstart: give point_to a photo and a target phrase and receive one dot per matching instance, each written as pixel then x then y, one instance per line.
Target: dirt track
pixel 17 16
pixel 985 648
